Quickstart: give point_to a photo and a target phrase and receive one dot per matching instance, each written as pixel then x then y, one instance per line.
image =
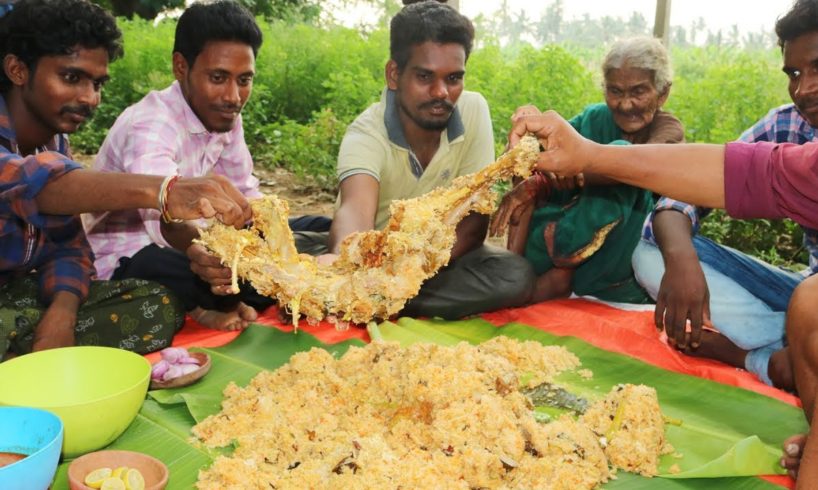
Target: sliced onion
pixel 174 371
pixel 188 368
pixel 159 369
pixel 188 360
pixel 173 354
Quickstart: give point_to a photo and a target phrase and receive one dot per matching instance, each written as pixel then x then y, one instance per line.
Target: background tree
pixel 308 10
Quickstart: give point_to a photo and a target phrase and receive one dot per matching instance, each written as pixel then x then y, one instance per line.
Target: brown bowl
pixel 187 379
pixel 154 471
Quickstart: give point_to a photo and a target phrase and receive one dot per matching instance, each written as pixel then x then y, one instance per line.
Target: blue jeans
pixel 748 298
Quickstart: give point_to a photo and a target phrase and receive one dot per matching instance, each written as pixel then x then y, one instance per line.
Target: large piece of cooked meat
pixel 377 271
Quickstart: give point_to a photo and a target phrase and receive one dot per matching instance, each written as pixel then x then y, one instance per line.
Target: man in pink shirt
pixel 192 128
pixel 759 180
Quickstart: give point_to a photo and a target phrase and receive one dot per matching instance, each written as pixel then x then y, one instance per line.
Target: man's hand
pixel 56 327
pixel 565 153
pixel 207 197
pixel 210 269
pixel 683 295
pixel 525 111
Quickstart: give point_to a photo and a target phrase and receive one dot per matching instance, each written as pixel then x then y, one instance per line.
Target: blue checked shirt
pixel 54 246
pixel 781 125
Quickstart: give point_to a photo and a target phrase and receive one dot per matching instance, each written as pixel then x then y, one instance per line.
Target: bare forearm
pixel 84 191
pixel 691 173
pixel 346 222
pixel 471 232
pixel 67 303
pixel 56 327
pixel 179 235
pixel 673 232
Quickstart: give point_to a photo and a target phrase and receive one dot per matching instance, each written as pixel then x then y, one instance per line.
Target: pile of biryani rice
pixel 425 416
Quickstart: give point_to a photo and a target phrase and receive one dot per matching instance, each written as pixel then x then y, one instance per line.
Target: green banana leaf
pixel 726 418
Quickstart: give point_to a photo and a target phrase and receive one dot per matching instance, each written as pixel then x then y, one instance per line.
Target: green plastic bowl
pixel 96 391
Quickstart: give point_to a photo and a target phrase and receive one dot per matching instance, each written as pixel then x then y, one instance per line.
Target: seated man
pixel 694 279
pixel 580 238
pixel 54 67
pixel 759 180
pixel 192 129
pixel 425 131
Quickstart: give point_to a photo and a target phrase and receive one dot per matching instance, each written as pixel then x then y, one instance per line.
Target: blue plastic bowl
pixel 38 434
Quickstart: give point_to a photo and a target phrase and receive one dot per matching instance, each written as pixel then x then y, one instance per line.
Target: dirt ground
pixel 304 198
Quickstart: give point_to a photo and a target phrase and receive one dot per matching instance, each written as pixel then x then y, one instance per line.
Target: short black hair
pixel 37 28
pixel 421 22
pixel 801 19
pixel 223 20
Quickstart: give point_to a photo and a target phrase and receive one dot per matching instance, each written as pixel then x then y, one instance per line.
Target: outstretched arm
pixel 82 191
pixel 357 210
pixel 691 173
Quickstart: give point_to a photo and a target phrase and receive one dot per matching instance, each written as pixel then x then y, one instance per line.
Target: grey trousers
pixel 485 279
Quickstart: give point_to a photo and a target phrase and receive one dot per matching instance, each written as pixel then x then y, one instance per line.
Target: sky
pixel 748 15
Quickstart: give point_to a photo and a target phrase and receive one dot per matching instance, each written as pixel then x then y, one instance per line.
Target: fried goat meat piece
pixel 377 271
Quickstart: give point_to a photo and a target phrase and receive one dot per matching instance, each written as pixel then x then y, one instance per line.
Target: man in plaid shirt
pixel 694 279
pixel 56 55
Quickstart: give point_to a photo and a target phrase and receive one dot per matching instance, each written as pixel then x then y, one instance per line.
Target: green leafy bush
pixel 309 150
pixel 718 93
pixel 146 66
pixel 550 78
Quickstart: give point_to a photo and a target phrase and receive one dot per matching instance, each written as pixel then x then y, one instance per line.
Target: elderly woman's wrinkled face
pixel 632 97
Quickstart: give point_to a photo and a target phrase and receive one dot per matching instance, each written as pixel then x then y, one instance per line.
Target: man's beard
pixel 429 124
pixel 53 126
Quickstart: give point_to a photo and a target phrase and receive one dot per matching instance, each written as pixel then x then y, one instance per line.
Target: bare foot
pixel 247 313
pixel 780 370
pixel 793 447
pixel 237 319
pixel 716 346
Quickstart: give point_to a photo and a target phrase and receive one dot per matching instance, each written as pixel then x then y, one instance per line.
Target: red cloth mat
pixel 631 333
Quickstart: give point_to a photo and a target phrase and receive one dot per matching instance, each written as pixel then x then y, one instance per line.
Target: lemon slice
pixel 95 478
pixel 113 484
pixel 134 480
pixel 120 472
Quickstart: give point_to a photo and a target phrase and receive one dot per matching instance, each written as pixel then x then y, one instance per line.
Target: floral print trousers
pixel 132 314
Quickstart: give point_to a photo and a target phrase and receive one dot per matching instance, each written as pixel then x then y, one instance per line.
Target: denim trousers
pixel 748 297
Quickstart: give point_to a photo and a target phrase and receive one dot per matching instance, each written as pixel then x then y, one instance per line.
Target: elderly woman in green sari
pixel 579 233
